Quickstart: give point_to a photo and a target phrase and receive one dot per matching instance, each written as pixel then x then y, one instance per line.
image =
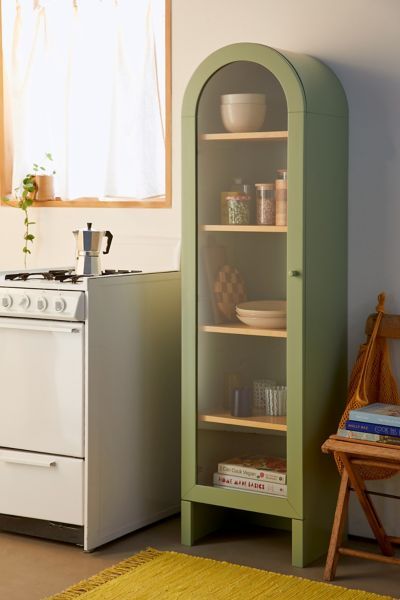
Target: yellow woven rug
pixel 152 575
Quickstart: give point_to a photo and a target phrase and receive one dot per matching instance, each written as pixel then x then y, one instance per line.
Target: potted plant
pixel 44 179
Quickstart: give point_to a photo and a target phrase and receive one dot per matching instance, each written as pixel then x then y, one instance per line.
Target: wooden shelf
pixel 250 136
pixel 241 329
pixel 262 422
pixel 246 228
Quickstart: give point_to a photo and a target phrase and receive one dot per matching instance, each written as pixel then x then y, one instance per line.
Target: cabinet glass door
pixel 242 247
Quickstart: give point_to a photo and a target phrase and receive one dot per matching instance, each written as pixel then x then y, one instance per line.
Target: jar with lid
pixel 235 208
pixel 281 197
pixel 239 185
pixel 265 204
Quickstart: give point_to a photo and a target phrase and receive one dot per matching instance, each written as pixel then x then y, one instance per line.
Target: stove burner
pixel 118 272
pixel 62 275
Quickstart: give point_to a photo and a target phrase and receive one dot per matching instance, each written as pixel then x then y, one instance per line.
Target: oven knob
pixel 59 305
pixel 6 301
pixel 41 304
pixel 24 301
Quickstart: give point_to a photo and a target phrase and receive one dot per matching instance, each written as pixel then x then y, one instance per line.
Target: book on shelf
pixel 373 428
pixel 369 437
pixel 378 413
pixel 261 468
pixel 249 485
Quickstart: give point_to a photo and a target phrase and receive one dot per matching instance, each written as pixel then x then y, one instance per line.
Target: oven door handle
pixel 30 462
pixel 22 327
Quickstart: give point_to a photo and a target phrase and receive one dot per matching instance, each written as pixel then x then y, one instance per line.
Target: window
pixel 88 81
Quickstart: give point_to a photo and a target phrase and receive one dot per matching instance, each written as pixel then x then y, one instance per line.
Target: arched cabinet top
pixel 309 85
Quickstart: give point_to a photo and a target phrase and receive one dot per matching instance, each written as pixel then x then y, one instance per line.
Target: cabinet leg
pixel 309 542
pixel 197 520
pixel 186 523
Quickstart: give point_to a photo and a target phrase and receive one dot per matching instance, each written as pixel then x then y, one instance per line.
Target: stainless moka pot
pixel 88 248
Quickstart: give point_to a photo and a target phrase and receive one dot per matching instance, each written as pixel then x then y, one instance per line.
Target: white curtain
pixel 85 81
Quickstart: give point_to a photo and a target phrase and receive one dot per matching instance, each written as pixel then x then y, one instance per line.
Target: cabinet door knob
pixel 294 273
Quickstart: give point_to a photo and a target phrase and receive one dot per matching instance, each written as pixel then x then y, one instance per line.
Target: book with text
pixel 369 437
pixel 378 413
pixel 262 468
pixel 249 485
pixel 373 428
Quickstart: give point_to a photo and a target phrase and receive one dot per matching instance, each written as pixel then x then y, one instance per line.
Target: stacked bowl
pixel 266 314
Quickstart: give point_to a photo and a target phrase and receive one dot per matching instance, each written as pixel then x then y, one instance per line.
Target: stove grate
pixel 62 275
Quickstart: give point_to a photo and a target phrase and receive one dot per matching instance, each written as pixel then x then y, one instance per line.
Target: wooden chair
pixel 352 453
pixel 359 452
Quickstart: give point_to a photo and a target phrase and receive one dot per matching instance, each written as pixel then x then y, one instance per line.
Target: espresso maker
pixel 88 248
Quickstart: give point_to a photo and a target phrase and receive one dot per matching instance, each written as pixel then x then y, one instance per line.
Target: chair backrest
pixel 389 327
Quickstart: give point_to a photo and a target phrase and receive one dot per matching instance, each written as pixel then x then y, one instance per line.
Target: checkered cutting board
pixel 229 290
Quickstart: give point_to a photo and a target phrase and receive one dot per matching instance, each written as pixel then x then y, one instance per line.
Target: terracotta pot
pixel 45 187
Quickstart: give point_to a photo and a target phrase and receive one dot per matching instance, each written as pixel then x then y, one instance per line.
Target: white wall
pixel 147 239
pixel 359 40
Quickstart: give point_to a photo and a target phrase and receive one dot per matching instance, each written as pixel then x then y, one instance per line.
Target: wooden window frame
pixel 164 201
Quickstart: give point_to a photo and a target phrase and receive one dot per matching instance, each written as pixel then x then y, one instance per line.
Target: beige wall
pixel 143 238
pixel 359 40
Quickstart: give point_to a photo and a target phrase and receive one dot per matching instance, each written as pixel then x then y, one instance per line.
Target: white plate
pixel 262 308
pixel 273 322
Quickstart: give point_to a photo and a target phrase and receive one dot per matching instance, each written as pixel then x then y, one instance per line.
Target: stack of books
pixel 255 474
pixel 376 422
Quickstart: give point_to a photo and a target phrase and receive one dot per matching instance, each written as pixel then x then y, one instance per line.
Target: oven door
pixel 42 386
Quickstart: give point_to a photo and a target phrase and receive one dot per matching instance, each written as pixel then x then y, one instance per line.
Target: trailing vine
pixel 29 188
pixel 24 196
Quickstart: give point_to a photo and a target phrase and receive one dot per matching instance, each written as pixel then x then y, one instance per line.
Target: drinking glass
pixel 260 387
pixel 276 401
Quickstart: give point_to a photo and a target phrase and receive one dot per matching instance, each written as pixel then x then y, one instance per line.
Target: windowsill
pixel 158 202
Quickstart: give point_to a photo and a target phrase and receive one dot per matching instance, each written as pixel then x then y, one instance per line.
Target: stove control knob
pixel 41 303
pixel 24 301
pixel 6 301
pixel 59 305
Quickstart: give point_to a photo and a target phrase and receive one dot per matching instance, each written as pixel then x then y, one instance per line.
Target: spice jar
pixel 281 197
pixel 265 204
pixel 235 208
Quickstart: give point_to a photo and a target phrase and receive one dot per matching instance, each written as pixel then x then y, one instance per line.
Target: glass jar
pixel 281 197
pixel 265 204
pixel 235 208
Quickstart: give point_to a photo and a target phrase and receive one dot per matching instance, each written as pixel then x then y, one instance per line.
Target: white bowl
pixel 263 322
pixel 259 308
pixel 243 99
pixel 243 117
pixel 243 112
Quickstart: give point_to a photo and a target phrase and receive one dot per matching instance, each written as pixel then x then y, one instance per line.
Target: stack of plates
pixel 268 314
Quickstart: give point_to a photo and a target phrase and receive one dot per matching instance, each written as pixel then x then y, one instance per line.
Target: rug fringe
pixel 104 576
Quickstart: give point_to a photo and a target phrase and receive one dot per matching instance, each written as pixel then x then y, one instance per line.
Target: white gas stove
pixel 90 399
pixel 48 294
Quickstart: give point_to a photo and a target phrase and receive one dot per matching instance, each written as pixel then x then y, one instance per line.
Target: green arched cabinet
pixel 306 263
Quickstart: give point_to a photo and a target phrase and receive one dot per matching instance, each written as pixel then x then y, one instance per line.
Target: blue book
pixel 379 413
pixel 373 428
